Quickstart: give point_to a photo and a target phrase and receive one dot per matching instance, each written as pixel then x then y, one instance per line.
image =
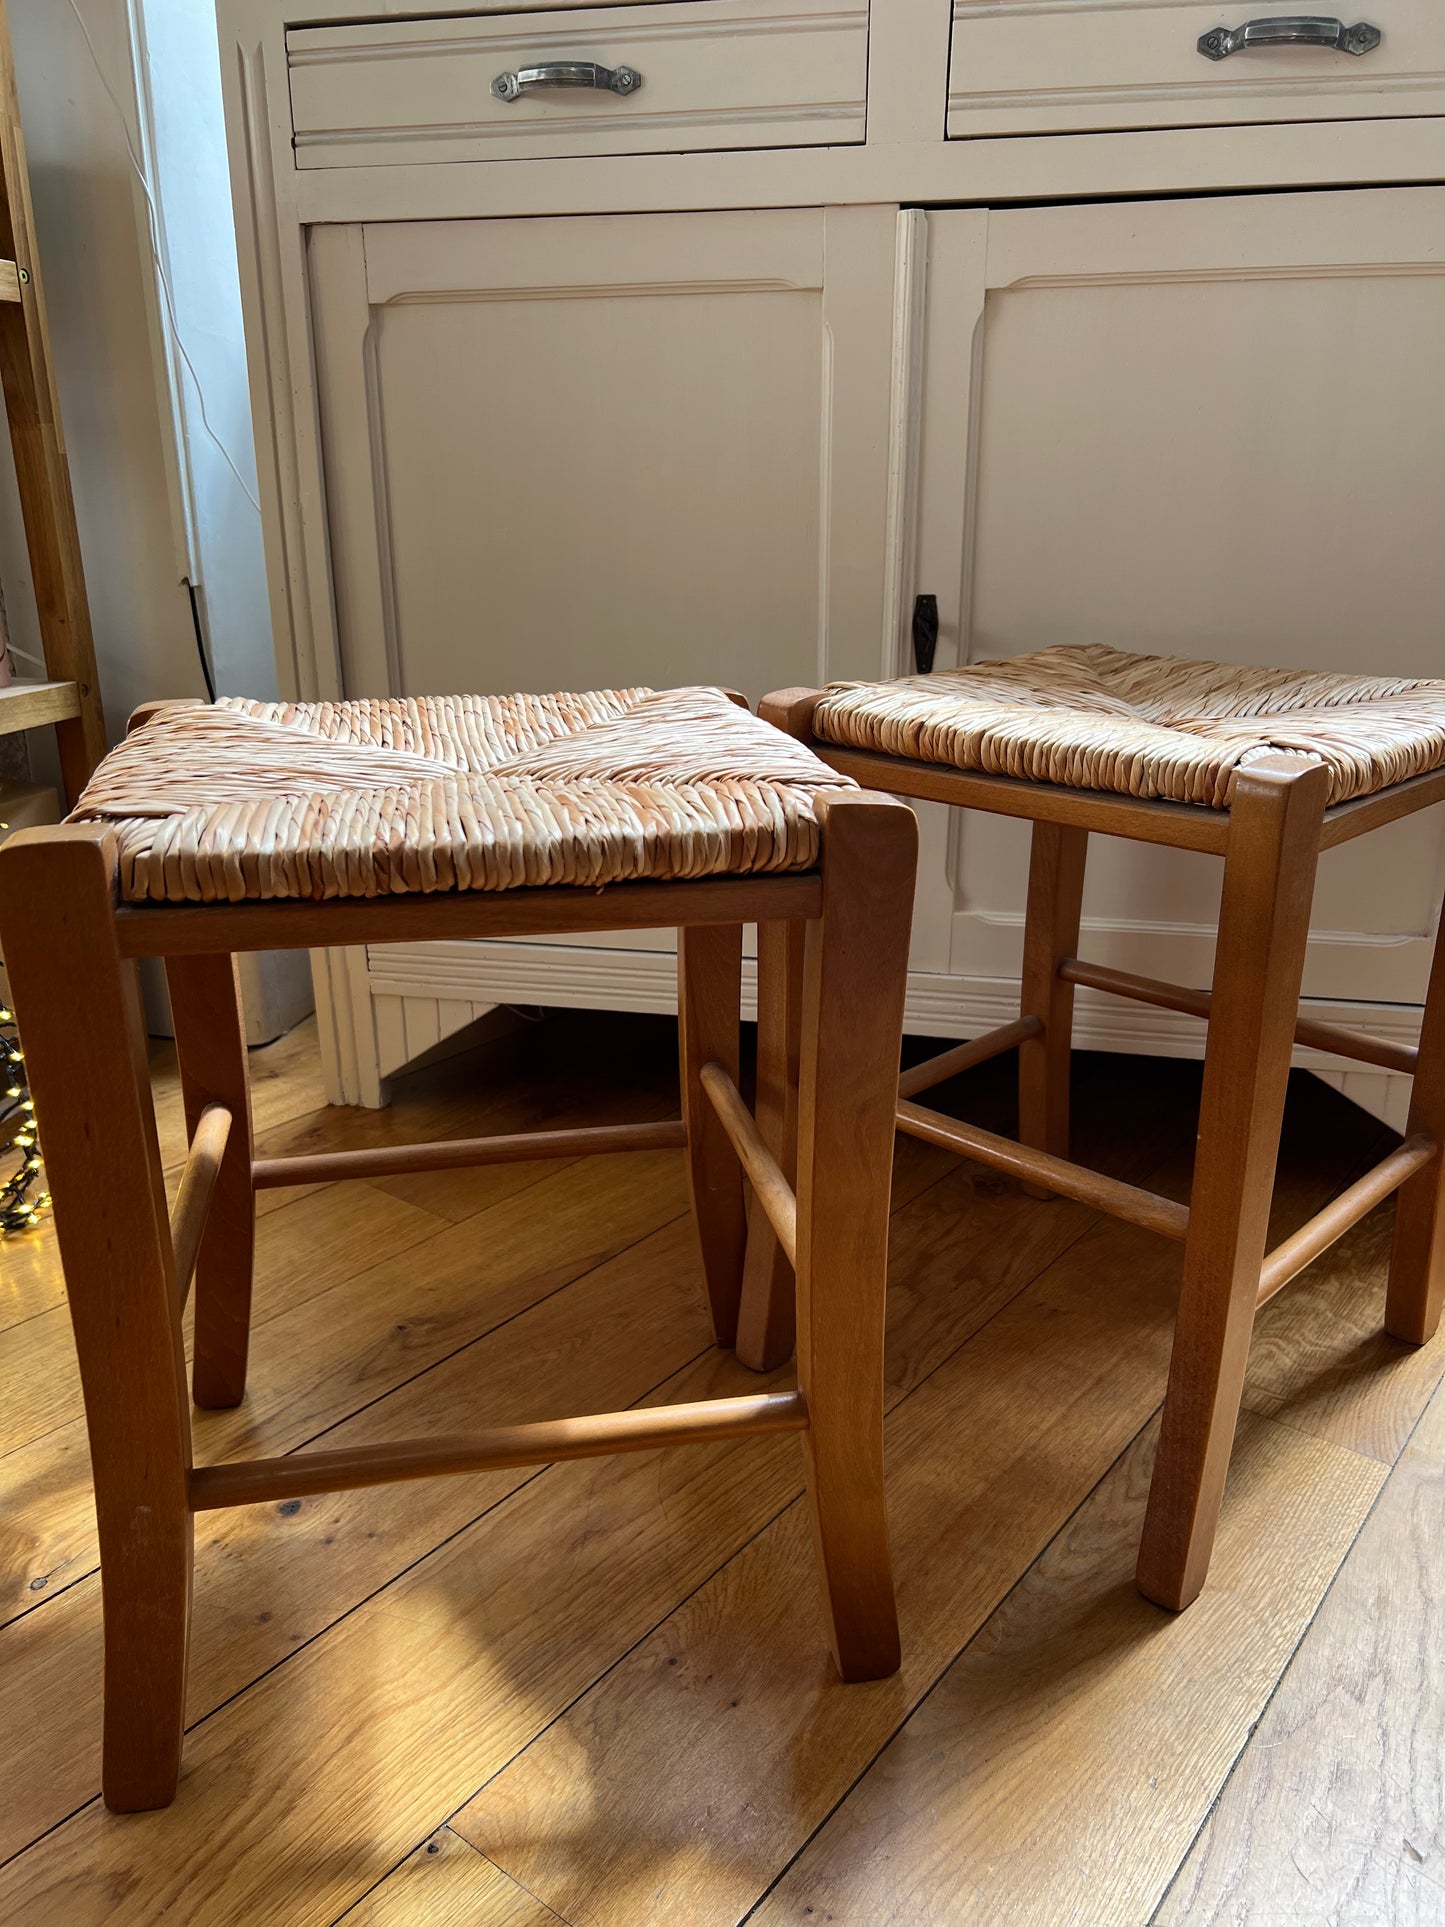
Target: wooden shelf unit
pixel 69 697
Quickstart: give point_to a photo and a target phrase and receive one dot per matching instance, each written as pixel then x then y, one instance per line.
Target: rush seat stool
pixel 247 826
pixel 1264 768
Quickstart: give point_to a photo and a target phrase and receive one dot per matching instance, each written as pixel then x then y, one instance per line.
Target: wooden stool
pixel 1265 768
pixel 259 826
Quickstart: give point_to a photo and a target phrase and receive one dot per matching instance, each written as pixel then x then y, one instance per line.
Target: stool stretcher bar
pixel 963 1057
pixel 208 929
pixel 764 1174
pixel 1120 1200
pixel 193 1197
pixel 1322 1230
pixel 1196 1003
pixel 254 1481
pixel 454 1154
pixel 1181 826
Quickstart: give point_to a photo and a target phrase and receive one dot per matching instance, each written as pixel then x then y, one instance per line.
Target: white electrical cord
pixel 153 223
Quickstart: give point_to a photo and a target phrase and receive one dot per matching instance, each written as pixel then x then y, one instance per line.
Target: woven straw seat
pixel 1091 717
pixel 249 800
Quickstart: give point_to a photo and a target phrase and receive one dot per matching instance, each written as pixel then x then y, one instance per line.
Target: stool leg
pixel 1417 1261
pixel 211 1045
pixel 766 1321
pixel 855 972
pixel 78 1003
pixel 1269 875
pixel 710 970
pixel 1051 933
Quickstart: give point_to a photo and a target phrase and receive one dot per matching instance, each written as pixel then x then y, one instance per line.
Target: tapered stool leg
pixel 1269 873
pixel 710 969
pixel 78 1007
pixel 211 1045
pixel 766 1322
pixel 1051 933
pixel 855 979
pixel 1417 1261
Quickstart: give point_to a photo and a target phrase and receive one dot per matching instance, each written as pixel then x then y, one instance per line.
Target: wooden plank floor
pixel 597 1693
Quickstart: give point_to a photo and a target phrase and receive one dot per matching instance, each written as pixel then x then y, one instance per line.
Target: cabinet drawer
pixel 1058 65
pixel 712 73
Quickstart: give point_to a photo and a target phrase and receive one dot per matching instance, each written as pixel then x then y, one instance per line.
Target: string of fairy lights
pixel 18 1209
pixel 20 1203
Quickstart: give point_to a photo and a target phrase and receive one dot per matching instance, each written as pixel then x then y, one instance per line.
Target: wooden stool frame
pixel 1270 839
pixel 71 945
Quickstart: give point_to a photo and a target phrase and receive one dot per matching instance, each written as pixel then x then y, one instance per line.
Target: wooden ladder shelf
pixel 69 697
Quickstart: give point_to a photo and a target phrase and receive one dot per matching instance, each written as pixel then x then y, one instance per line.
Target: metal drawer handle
pixel 567 73
pixel 1290 30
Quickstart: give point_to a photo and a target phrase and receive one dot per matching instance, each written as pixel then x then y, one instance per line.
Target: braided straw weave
pixel 1091 717
pixel 249 800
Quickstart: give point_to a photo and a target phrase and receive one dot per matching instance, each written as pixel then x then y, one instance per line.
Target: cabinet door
pixel 604 451
pixel 1210 428
pixel 597 452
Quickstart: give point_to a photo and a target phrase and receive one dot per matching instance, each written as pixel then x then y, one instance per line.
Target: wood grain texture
pixel 543 1643
pixel 1328 1226
pixel 855 978
pixel 701 1720
pixel 1195 1003
pixel 450 1154
pixel 93 1102
pixel 1322 1361
pixel 31 1280
pixel 1181 826
pixel 446 1883
pixel 358 1660
pixel 373 1328
pixel 611 1816
pixel 205 996
pixel 285 1086
pixel 269 1580
pixel 1051 933
pixel 963 1057
pixel 1416 1289
pixel 1269 879
pixel 768 1186
pixel 157 930
pixel 195 1189
pixel 1023 1788
pixel 1333 1817
pixel 709 980
pixel 767 1315
pixel 311 1252
pixel 1038 1169
pixel 503 1448
pixel 266 1582
pixel 29 705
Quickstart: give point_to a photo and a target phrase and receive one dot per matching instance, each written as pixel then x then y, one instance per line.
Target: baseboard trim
pixel 574 977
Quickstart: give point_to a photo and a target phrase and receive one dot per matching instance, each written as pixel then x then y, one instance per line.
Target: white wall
pixel 103 311
pixel 191 184
pixel 128 447
pixel 96 292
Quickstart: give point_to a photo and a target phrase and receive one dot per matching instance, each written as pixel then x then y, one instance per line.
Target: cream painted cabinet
pixel 1039 306
pixel 1211 427
pixel 600 451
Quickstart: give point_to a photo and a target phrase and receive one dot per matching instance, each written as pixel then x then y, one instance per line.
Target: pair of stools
pixel 246 826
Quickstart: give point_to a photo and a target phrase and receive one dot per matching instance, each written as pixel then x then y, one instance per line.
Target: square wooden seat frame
pixel 70 946
pixel 1270 839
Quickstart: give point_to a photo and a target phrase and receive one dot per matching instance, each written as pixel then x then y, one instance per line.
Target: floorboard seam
pixel 491 1331
pixel 1002 1600
pixel 947 1668
pixel 1088 1226
pixel 381 1397
pixel 1284 1670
